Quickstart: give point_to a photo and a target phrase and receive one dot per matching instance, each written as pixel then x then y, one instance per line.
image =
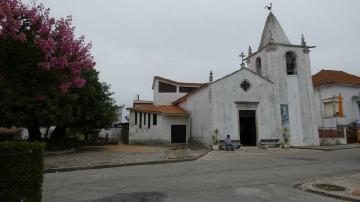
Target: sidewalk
pixel 94 157
pixel 343 187
pixel 331 147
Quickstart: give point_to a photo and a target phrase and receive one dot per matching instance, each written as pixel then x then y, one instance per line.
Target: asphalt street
pixel 270 177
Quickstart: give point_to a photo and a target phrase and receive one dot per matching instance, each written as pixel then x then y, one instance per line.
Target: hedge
pixel 21 171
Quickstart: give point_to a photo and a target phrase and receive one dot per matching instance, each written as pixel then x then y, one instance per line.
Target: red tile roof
pixel 142 102
pixel 9 130
pixel 329 77
pixel 164 109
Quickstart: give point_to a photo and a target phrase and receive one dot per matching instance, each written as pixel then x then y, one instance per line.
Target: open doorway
pixel 247 127
pixel 178 134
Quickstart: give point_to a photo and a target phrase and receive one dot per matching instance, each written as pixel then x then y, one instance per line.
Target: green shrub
pixel 21 171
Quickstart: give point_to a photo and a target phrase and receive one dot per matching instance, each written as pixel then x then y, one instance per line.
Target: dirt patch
pixel 106 155
pixel 121 148
pixel 356 192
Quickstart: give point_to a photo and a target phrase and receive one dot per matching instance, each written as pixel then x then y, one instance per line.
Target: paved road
pixel 266 177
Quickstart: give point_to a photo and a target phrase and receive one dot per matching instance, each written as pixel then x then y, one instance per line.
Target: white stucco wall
pixel 156 134
pixel 226 92
pixel 198 106
pixel 350 105
pixel 297 92
pixel 167 121
pixel 215 108
pixel 165 98
pixel 295 120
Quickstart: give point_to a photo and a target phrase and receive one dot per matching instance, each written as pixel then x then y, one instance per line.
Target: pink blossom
pixel 40 98
pixel 79 82
pixel 54 38
pixel 62 62
pixel 64 87
pixel 51 21
pixel 53 61
pixel 47 45
pixel 44 65
pixel 21 37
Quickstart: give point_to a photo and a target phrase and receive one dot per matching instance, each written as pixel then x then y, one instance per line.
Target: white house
pixel 329 87
pixel 160 121
pixel 269 98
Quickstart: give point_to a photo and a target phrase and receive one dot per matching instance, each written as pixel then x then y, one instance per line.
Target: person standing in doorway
pixel 228 143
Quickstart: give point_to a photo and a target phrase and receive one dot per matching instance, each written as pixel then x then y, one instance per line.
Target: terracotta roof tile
pixel 165 109
pixel 329 77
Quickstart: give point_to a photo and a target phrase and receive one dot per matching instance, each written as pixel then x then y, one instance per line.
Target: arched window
pixel 258 65
pixel 291 63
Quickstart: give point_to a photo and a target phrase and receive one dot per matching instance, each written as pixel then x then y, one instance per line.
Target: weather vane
pixel 269 7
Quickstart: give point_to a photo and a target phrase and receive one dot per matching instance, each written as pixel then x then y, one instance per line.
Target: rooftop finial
pixel 303 42
pixel 250 51
pixel 211 76
pixel 242 55
pixel 269 7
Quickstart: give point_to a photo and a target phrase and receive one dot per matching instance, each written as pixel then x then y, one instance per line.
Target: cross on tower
pixel 242 55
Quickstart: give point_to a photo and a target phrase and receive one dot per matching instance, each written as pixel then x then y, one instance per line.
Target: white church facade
pixel 269 97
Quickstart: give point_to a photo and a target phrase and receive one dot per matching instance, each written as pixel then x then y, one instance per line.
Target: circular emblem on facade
pixel 245 85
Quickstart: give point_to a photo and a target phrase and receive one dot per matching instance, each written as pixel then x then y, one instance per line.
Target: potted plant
pixel 285 144
pixel 215 140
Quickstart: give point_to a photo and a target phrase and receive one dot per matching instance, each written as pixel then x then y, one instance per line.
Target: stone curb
pixel 332 195
pixel 328 149
pixel 305 187
pixel 55 170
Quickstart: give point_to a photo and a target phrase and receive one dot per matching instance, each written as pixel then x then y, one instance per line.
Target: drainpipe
pixel 210 107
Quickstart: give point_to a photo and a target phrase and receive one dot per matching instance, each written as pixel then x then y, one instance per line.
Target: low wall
pixel 333 141
pixel 149 142
pixel 332 136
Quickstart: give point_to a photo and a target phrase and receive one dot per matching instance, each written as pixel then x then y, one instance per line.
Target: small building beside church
pixel 330 88
pixel 269 97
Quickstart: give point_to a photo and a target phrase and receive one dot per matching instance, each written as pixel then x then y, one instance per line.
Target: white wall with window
pixel 327 104
pixel 154 128
pixel 166 93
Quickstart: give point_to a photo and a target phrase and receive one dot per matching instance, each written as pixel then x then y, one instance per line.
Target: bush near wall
pixel 21 171
pixel 62 144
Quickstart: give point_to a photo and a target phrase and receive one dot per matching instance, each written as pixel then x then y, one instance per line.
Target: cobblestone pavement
pixel 249 151
pixel 351 183
pixel 108 155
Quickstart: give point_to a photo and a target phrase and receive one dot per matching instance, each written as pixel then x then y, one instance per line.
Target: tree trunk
pixel 34 133
pixel 59 133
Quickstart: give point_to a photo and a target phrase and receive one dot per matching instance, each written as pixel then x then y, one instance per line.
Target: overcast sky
pixel 134 40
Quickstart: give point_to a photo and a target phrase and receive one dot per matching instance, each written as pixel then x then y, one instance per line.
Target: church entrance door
pixel 247 127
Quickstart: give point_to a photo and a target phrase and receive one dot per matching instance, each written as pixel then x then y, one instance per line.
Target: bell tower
pixel 288 67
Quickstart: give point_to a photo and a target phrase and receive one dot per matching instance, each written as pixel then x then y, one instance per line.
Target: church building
pixel 269 97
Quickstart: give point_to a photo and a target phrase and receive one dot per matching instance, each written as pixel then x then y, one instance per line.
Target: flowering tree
pixel 40 62
pixel 59 50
